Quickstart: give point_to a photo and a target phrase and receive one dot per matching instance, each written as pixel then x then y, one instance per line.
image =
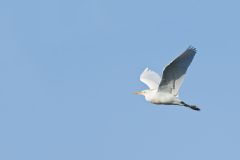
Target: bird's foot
pixel 194 108
pixel 190 106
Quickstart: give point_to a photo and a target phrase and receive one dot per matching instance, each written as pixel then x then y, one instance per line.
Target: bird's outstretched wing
pixel 150 78
pixel 173 74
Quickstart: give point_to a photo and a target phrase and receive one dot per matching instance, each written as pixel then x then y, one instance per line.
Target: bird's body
pixel 165 90
pixel 156 97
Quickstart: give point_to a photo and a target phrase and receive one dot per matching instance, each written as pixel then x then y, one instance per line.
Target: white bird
pixel 165 90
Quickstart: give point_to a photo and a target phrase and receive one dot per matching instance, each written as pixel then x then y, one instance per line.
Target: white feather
pixel 150 78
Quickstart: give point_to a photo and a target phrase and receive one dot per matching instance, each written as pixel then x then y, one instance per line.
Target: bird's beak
pixel 138 92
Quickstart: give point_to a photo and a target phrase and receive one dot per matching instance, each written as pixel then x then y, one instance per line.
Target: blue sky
pixel 68 70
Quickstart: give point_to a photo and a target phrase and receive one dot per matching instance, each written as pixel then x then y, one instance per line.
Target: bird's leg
pixel 190 106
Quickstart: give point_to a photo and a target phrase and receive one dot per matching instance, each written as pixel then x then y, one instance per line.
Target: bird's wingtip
pixel 192 49
pixel 146 69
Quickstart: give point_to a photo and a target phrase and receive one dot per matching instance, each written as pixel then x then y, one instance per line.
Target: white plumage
pixel 150 78
pixel 165 90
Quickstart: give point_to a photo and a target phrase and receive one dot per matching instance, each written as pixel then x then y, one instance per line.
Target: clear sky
pixel 68 70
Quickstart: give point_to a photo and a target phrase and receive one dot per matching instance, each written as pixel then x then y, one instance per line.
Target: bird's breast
pixel 161 98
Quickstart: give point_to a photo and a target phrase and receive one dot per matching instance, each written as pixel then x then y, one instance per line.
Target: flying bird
pixel 165 90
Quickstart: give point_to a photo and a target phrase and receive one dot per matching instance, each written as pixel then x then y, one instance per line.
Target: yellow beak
pixel 138 92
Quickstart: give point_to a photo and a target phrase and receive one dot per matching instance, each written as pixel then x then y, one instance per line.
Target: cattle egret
pixel 165 90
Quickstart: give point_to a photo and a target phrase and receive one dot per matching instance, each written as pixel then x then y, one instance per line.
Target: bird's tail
pixel 190 106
